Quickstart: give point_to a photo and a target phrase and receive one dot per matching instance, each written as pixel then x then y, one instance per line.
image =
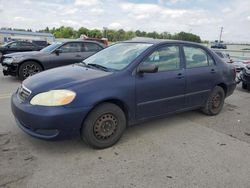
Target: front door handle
pixel 180 76
pixel 78 56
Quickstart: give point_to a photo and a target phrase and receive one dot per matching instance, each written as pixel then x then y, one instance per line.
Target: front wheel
pixel 214 102
pixel 28 68
pixel 104 126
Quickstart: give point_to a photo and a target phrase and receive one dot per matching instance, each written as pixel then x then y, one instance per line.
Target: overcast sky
pixel 202 17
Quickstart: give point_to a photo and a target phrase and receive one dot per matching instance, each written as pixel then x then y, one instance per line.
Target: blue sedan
pixel 122 85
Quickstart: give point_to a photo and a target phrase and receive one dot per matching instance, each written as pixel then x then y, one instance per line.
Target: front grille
pixel 23 93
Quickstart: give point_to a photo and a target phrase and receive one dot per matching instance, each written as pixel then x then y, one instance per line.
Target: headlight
pixel 53 98
pixel 8 60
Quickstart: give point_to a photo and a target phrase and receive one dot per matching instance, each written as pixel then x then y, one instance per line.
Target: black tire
pixel 104 126
pixel 28 68
pixel 215 102
pixel 244 86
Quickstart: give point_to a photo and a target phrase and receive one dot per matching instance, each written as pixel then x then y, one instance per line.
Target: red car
pixel 104 41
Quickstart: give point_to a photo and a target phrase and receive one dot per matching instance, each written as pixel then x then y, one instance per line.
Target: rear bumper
pixel 231 88
pixel 238 69
pixel 49 123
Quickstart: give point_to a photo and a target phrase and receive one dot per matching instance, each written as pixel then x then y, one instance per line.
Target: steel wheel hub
pixel 105 126
pixel 216 101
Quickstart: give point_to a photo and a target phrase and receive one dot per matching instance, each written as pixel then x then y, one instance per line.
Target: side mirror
pixel 147 69
pixel 58 51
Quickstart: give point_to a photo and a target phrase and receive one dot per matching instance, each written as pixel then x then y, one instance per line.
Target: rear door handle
pixel 180 76
pixel 213 71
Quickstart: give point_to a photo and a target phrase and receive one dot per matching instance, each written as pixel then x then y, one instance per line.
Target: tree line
pixel 115 35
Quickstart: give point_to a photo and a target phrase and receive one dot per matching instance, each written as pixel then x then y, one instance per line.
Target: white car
pixel 240 64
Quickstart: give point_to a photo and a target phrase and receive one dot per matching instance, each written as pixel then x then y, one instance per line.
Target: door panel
pixel 199 85
pixel 201 75
pixel 71 52
pixel 161 92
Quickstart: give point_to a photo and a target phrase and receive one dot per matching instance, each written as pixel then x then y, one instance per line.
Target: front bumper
pixel 245 78
pixel 10 69
pixel 50 123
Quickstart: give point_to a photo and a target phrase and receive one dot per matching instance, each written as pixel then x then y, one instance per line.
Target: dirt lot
pixel 184 150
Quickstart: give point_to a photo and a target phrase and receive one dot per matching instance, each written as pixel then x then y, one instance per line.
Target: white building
pixel 10 35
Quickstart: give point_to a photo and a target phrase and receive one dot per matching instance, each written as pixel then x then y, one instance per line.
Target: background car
pixel 18 46
pixel 240 64
pixel 41 43
pixel 122 85
pixel 244 77
pixel 219 45
pixel 26 64
pixel 103 41
pixel 225 57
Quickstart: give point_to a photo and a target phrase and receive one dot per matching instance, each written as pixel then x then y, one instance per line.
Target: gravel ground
pixel 184 150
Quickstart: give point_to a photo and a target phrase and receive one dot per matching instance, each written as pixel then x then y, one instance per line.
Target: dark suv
pixel 124 84
pixel 26 64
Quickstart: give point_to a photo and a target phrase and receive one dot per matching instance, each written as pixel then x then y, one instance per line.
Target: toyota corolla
pixel 122 85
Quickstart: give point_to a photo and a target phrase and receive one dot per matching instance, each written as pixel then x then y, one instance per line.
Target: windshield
pixel 51 47
pixel 118 56
pixel 6 44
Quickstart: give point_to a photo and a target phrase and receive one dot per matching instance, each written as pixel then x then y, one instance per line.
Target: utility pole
pixel 221 30
pixel 105 31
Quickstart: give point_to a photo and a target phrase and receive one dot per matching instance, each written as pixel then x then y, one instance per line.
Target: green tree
pixel 187 37
pixel 82 31
pixel 115 35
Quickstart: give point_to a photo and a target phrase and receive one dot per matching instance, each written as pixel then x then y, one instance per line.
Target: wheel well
pixel 119 103
pixel 224 86
pixel 30 60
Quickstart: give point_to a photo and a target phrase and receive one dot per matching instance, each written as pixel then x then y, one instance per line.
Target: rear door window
pixel 27 45
pixel 71 47
pixel 91 47
pixel 197 57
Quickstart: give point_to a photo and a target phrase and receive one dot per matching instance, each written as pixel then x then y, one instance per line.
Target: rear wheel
pixel 214 102
pixel 104 126
pixel 28 68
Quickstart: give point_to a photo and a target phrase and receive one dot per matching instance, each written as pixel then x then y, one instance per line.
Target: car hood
pixel 30 53
pixel 62 78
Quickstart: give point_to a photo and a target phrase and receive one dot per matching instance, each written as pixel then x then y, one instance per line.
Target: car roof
pixel 83 41
pixel 159 41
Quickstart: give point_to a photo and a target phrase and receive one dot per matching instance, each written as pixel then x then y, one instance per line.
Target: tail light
pixel 234 73
pixel 246 62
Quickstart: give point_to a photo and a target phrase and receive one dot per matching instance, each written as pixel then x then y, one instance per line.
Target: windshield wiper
pixel 82 63
pixel 98 66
